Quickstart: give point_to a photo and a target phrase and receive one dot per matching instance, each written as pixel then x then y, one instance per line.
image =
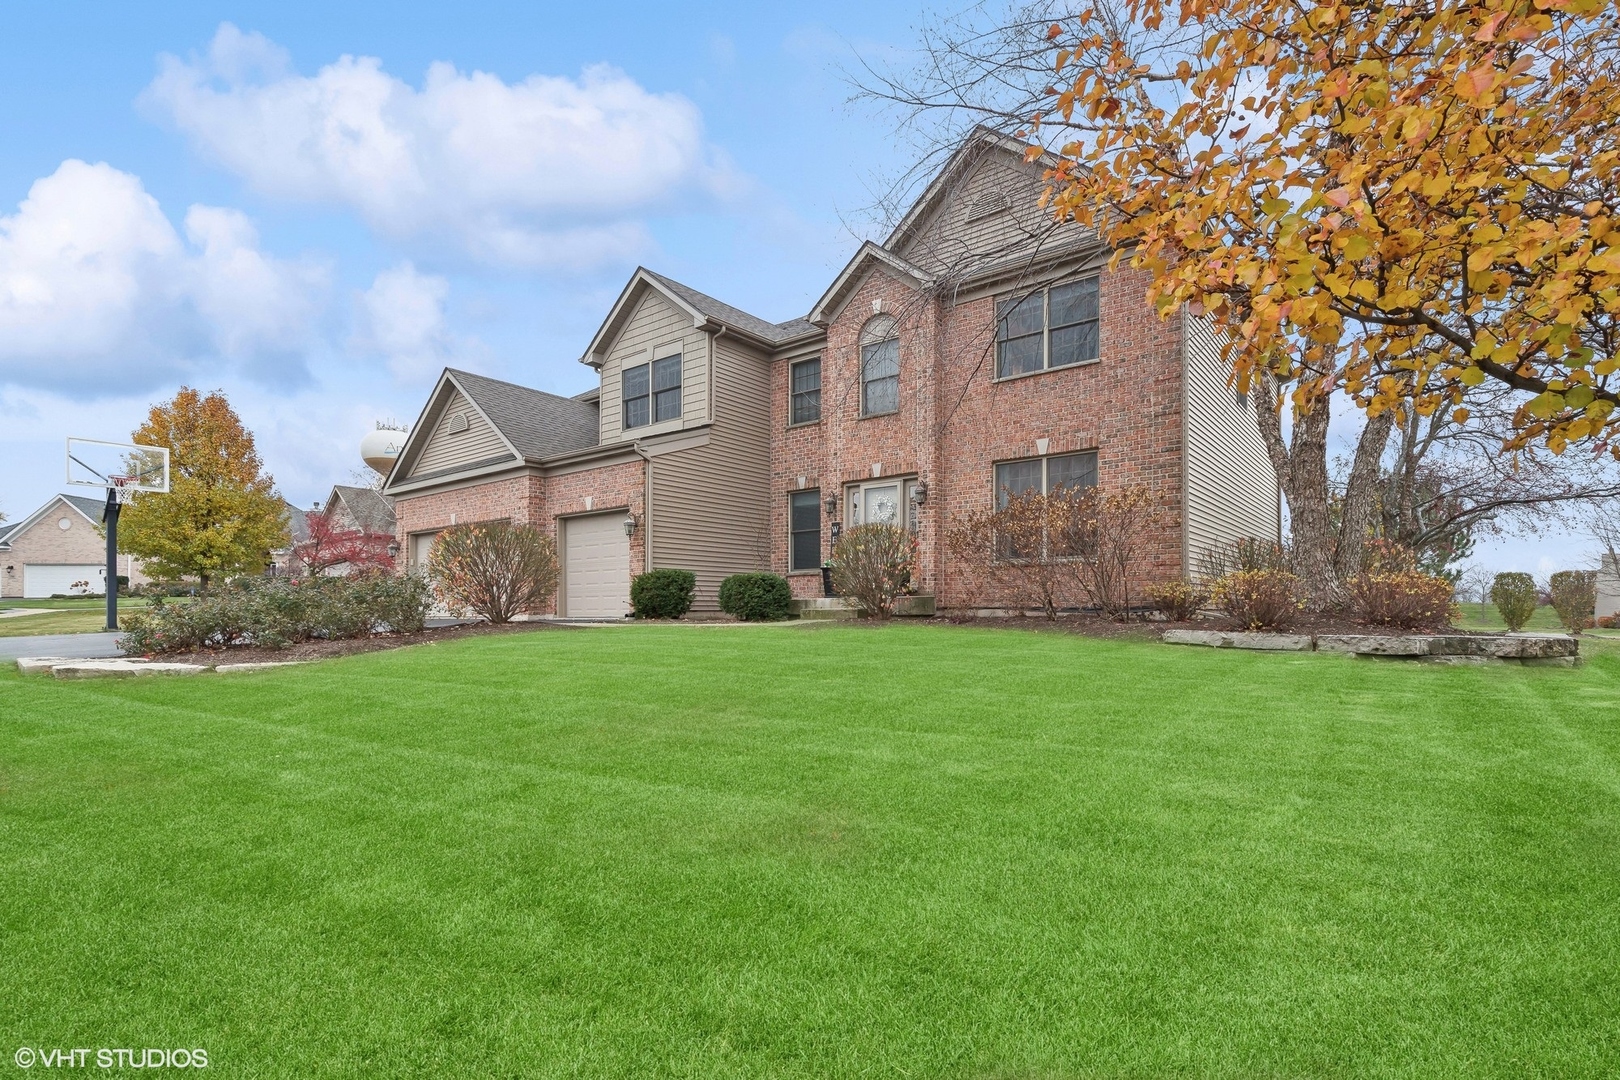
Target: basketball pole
pixel 109 517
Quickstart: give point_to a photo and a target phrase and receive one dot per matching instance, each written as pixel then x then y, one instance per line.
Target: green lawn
pixel 72 616
pixel 830 851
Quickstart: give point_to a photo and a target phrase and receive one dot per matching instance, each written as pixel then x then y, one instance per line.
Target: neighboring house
pixel 1608 587
pixel 363 509
pixel 60 549
pixel 283 563
pixel 978 349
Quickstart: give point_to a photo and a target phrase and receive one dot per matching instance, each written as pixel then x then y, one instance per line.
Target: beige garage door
pixel 596 566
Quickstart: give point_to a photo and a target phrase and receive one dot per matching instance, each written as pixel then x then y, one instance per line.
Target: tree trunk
pixel 1301 467
pixel 1360 494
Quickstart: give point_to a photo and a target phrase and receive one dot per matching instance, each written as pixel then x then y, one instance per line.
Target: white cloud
pixel 549 171
pixel 98 291
pixel 401 317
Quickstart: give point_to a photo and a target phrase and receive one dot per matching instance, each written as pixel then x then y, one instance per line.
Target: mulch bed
pixel 1085 625
pixel 1145 630
pixel 321 650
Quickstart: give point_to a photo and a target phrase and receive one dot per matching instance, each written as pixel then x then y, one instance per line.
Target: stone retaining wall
pixel 1449 648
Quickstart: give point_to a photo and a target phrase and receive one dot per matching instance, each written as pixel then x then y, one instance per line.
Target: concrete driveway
pixel 77 646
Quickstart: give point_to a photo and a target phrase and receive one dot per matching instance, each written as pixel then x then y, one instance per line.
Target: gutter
pixel 647 505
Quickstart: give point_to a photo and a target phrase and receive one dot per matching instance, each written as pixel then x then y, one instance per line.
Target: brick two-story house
pixel 980 348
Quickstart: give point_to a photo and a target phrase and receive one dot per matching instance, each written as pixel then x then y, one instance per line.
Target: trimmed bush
pixel 1392 591
pixel 1259 599
pixel 1179 600
pixel 497 569
pixel 662 594
pixel 756 597
pixel 1514 595
pixel 1574 598
pixel 274 613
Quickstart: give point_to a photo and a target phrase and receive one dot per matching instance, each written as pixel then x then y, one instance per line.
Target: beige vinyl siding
pixel 657 328
pixel 446 449
pixel 1231 488
pixel 959 236
pixel 711 504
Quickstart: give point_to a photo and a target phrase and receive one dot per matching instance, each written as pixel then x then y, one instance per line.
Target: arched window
pixel 880 367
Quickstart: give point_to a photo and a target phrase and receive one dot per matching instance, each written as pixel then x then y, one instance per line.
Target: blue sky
pixel 315 207
pixel 322 291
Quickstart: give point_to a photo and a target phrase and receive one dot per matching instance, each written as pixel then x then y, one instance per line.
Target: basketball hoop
pixel 121 470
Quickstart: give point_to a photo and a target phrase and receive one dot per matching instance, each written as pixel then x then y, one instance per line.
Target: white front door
pixel 882 502
pixel 48 579
pixel 596 567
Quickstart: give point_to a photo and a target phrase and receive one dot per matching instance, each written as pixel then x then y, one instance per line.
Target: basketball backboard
pixel 123 467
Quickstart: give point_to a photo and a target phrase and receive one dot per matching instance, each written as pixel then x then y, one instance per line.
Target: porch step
pixel 841 607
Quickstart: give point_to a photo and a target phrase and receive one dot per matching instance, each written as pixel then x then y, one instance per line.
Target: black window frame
pixel 808 499
pixel 1089 314
pixel 652 403
pixel 807 396
pixel 868 380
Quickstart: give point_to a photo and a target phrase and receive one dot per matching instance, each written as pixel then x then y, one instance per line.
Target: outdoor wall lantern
pixel 11 569
pixel 393 549
pixel 630 525
pixel 919 494
pixel 832 505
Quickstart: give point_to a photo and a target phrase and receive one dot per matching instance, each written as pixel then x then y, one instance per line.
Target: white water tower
pixel 381 447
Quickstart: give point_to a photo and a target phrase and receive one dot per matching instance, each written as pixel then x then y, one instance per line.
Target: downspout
pixel 646 506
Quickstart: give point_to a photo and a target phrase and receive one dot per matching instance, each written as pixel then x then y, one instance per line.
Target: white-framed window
pixel 1048 328
pixel 652 392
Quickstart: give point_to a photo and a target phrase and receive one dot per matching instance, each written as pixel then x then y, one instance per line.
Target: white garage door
pixel 42 579
pixel 596 566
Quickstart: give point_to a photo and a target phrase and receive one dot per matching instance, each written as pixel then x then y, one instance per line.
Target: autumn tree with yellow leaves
pixel 1431 191
pixel 222 514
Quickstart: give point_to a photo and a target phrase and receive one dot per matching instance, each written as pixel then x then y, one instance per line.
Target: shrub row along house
pixel 981 349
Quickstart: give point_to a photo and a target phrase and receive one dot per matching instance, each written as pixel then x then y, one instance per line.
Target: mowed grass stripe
pixel 818 851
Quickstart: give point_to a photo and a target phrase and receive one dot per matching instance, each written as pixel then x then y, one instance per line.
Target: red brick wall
pixel 955 421
pixel 532 500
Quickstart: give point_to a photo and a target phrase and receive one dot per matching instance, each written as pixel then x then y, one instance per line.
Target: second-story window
pixel 1048 328
pixel 652 392
pixel 880 367
pixel 804 379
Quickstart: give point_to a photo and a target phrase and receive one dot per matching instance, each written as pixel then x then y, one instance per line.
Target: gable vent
pixel 986 203
pixel 457 422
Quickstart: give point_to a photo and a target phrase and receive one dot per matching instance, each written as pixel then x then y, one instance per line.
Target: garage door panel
pixel 41 580
pixel 596 564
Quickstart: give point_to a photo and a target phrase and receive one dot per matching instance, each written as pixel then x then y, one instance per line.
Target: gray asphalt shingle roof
pixel 735 317
pixel 372 511
pixel 538 424
pixel 90 507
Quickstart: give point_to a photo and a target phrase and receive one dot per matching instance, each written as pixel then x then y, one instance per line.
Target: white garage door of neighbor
pixel 44 579
pixel 596 562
